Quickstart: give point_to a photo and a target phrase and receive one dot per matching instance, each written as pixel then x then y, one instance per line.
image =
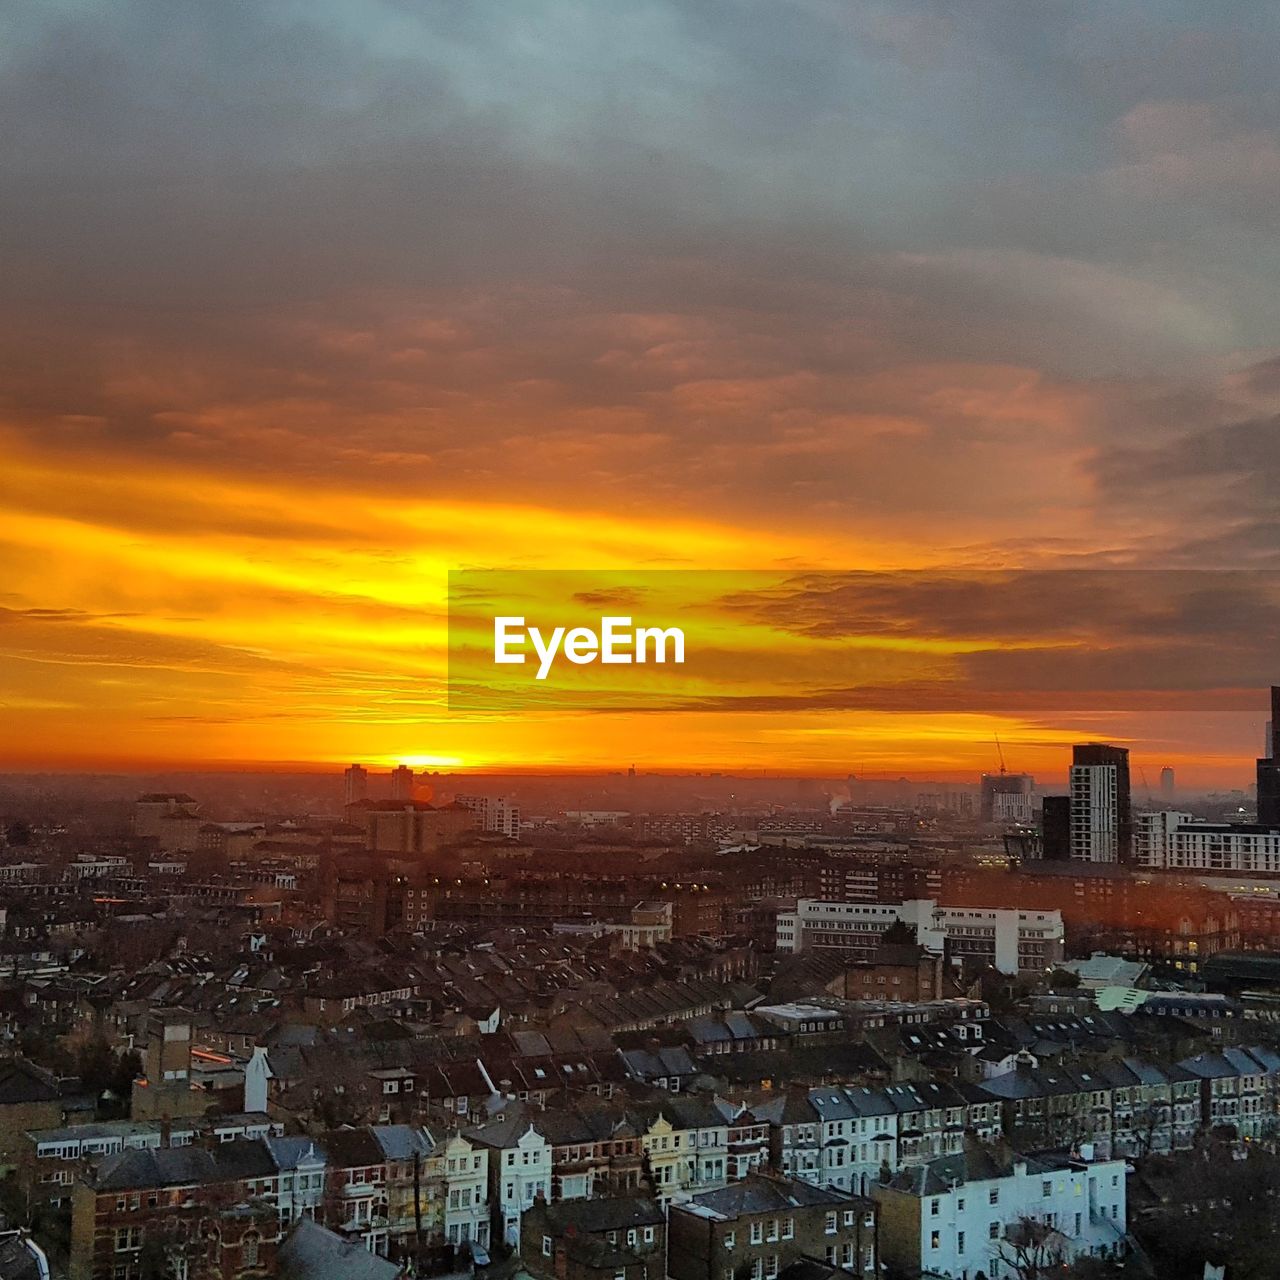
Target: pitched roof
pixel 758 1193
pixel 314 1253
pixel 612 1213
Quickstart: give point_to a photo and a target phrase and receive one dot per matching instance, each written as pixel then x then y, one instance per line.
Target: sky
pixel 303 305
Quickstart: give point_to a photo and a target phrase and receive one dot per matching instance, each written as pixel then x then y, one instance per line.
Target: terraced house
pixel 763 1224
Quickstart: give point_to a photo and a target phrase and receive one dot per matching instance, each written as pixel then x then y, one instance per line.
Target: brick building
pixel 618 1239
pixel 763 1224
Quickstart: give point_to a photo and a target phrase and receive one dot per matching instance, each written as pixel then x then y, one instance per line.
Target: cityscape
pixel 639 641
pixel 700 1026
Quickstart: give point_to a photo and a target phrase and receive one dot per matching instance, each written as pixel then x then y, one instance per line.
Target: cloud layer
pixel 301 303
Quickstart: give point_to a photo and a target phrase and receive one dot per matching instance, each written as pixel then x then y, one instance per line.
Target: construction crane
pixel 1000 753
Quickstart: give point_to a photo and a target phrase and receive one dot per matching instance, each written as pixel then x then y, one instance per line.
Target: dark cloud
pixel 891 265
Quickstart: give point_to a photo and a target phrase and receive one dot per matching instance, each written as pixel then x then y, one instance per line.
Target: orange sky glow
pixel 299 313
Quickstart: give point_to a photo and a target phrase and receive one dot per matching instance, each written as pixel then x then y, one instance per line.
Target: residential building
pixel 520 1163
pixel 615 1238
pixel 1101 817
pixel 762 1224
pixel 208 1214
pixel 495 813
pixel 963 1214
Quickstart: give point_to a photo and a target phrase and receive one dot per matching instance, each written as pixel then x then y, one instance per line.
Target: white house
pixel 962 1214
pixel 519 1167
pixel 466 1183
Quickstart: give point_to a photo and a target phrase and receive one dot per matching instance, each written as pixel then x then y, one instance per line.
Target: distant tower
pixel 357 784
pixel 1006 797
pixel 402 784
pixel 1269 768
pixel 1166 783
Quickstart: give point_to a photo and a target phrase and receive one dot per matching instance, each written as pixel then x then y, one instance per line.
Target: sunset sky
pixel 303 305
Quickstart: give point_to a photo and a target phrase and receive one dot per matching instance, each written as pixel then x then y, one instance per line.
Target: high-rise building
pixel 1269 769
pixel 357 784
pixel 1166 784
pixel 1101 809
pixel 402 784
pixel 1006 797
pixel 496 813
pixel 1055 829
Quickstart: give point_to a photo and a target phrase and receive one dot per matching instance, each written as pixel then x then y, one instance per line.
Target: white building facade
pixel 954 1217
pixel 1012 941
pixel 1172 841
pixel 1095 813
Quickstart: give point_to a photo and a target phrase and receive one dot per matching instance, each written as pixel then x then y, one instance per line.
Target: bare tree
pixel 1029 1250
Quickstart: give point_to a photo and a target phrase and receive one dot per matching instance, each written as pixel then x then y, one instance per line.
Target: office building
pixel 402 784
pixel 1010 941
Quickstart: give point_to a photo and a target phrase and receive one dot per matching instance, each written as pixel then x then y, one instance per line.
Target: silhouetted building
pixel 402 783
pixel 1269 769
pixel 1055 828
pixel 357 784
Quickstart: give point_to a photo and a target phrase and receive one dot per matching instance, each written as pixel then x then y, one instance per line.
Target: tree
pixel 1091 1268
pixel 1030 1250
pixel 1213 1208
pixel 1064 980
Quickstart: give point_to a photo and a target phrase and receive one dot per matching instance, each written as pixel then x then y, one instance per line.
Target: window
pixel 546 1246
pixel 993 1196
pixel 935 1240
pixel 757 1232
pixel 730 1239
pixel 850 1217
pixel 789 1229
pixel 128 1239
pixel 960 1241
pixel 994 1231
pixel 648 1235
pixel 832 1222
pixel 1046 1189
pixel 249 1250
pixel 935 1208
